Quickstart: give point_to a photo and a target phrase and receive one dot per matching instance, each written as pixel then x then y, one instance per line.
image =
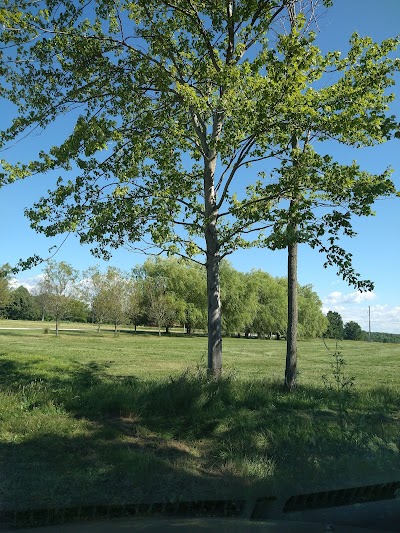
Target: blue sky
pixel 375 249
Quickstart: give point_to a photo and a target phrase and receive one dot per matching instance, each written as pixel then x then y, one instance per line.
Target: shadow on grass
pixel 56 470
pixel 14 374
pixel 88 438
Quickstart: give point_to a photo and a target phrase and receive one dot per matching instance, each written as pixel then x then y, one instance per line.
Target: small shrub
pixel 341 384
pixel 338 381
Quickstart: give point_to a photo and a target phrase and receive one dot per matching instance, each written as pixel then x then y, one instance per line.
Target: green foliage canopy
pixel 335 325
pixel 5 293
pixel 151 82
pixel 22 305
pixel 353 331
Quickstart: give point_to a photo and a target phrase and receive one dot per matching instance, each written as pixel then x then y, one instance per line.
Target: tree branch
pixel 231 31
pixel 206 39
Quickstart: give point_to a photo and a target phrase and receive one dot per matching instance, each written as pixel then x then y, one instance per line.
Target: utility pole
pixel 369 323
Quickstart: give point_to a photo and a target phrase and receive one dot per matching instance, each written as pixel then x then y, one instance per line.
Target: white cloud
pixel 29 283
pixel 383 317
pixel 338 298
pixel 354 306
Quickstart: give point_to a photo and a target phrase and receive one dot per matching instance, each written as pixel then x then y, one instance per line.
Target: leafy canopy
pixel 161 92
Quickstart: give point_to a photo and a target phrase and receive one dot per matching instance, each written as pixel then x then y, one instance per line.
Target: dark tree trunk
pixel 293 313
pixel 291 339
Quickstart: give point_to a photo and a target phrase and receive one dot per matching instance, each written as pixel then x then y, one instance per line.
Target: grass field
pixel 147 356
pixel 94 418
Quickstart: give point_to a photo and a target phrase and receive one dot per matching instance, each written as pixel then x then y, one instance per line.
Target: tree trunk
pixel 293 312
pixel 159 331
pixel 291 339
pixel 56 326
pixel 210 157
pixel 213 258
pixel 115 328
pixel 214 316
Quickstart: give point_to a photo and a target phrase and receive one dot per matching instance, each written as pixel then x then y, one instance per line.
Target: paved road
pixel 205 525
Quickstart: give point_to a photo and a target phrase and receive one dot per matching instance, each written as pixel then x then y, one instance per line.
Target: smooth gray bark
pixel 214 317
pixel 213 266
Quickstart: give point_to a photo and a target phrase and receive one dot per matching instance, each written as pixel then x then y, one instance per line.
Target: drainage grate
pixel 43 517
pixel 336 498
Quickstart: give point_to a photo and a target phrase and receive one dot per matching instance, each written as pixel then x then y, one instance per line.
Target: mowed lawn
pixel 95 418
pixel 146 355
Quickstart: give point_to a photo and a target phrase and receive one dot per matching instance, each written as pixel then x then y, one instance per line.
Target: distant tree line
pixel 162 293
pixel 377 336
pixel 353 331
pixel 171 292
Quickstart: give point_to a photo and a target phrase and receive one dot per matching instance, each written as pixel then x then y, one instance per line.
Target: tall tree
pixel 108 295
pixel 335 326
pixel 115 292
pixel 57 287
pixel 5 293
pixel 352 331
pixel 155 82
pixel 162 306
pixel 239 300
pixel 22 305
pixel 91 292
pixel 270 316
pixel 292 253
pixel 175 100
pixel 135 299
pixel 186 280
pixel 312 322
pixel 321 195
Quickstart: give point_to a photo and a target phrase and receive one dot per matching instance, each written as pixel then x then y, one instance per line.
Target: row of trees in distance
pixel 165 293
pixel 337 330
pixel 352 331
pixel 168 292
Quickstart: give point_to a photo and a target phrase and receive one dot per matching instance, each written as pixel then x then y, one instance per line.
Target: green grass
pixel 148 356
pixel 94 418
